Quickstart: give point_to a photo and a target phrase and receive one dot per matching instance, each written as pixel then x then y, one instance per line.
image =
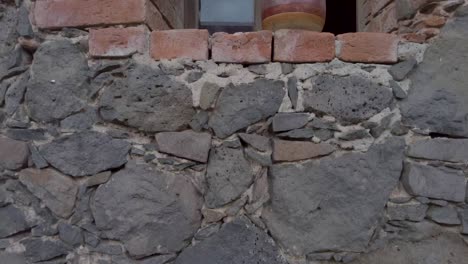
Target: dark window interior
pixel 341 16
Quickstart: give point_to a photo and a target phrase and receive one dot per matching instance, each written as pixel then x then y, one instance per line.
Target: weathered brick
pixel 117 42
pixel 368 47
pixel 55 14
pixel 301 46
pixel 246 48
pixel 180 43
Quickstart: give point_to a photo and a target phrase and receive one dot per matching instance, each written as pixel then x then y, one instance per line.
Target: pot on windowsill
pixel 293 14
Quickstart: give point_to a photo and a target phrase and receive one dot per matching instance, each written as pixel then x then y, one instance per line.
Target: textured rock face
pixel 243 105
pixel 437 100
pixel 188 144
pixel 228 175
pixel 437 183
pixel 57 191
pixel 313 204
pixel 351 99
pixel 148 100
pixel 237 242
pixel 38 249
pixel 12 221
pixel 85 153
pixel 452 150
pixel 13 154
pixel 298 150
pixel 127 206
pixel 8 23
pixel 59 84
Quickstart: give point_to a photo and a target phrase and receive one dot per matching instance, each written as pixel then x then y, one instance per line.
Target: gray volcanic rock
pixel 284 150
pixel 8 21
pixel 37 249
pixel 13 154
pixel 258 142
pixel 147 99
pixel 400 70
pixel 237 242
pixel 332 204
pixel 245 104
pixel 452 150
pixel 444 215
pixel 413 211
pixel 228 175
pixel 59 83
pixel 437 100
pixel 85 153
pixel 350 99
pixel 57 191
pixel 151 211
pixel 438 183
pixel 12 221
pixel 188 144
pixel 289 121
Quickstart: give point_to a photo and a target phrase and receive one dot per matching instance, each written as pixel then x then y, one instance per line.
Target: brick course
pixel 180 43
pixel 368 47
pixel 117 42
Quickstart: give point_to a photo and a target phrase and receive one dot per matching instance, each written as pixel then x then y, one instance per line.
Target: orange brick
pixel 301 46
pixel 246 48
pixel 180 43
pixel 117 42
pixel 56 14
pixel 369 47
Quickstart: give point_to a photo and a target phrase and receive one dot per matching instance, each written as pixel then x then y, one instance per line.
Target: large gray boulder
pixel 57 191
pixel 147 99
pixel 351 99
pixel 245 104
pixel 85 153
pixel 59 83
pixel 228 175
pixel 237 242
pixel 437 100
pixel 150 211
pixel 332 204
pixel 451 150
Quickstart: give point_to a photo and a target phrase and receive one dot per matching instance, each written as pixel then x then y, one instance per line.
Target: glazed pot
pixel 294 14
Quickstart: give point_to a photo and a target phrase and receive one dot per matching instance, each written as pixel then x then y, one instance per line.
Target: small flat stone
pixel 400 70
pixel 13 154
pixel 299 150
pixel 12 221
pixel 263 159
pixel 444 215
pixel 289 121
pixel 398 92
pixel 444 149
pixel 71 235
pixel 188 144
pixel 38 249
pixel 258 142
pixel 413 211
pixel 98 179
pixel 292 91
pixel 355 135
pixel 208 95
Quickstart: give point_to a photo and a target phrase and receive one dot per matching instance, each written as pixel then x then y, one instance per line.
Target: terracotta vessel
pixel 293 14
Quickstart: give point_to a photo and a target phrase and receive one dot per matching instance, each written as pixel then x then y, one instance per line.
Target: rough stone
pixel 12 221
pixel 350 99
pixel 147 99
pixel 293 92
pixel 289 121
pixel 71 235
pixel 15 94
pixel 207 231
pixel 80 121
pixel 400 70
pixel 59 83
pixel 444 149
pixel 444 215
pixel 245 104
pixel 355 135
pixel 57 191
pixel 23 27
pixel 303 133
pixel 161 259
pixel 413 211
pixel 13 154
pixel 258 142
pixel 188 144
pixel 398 92
pixel 446 248
pixel 208 95
pixel 299 150
pixel 228 175
pixel 12 258
pixel 438 183
pixel 237 242
pixel 263 159
pixel 125 209
pixel 464 216
pixel 36 157
pixel 37 249
pixel 85 153
pixel 98 179
pixel 314 203
pixel 437 100
pixel 8 22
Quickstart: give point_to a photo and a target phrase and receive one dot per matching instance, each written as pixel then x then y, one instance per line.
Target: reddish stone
pixel 117 42
pixel 301 46
pixel 435 21
pixel 284 150
pixel 414 37
pixel 246 48
pixel 368 47
pixel 54 14
pixel 180 43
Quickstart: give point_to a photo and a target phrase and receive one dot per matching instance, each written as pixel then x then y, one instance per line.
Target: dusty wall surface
pixel 121 158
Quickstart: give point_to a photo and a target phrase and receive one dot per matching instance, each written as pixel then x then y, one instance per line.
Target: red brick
pixel 117 42
pixel 55 14
pixel 180 43
pixel 301 46
pixel 369 47
pixel 246 48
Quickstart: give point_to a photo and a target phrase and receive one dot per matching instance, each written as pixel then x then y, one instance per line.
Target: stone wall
pixel 361 157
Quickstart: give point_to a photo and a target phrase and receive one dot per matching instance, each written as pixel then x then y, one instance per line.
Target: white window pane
pixel 227 11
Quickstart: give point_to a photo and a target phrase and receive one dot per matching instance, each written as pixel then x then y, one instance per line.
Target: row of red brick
pixel 294 46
